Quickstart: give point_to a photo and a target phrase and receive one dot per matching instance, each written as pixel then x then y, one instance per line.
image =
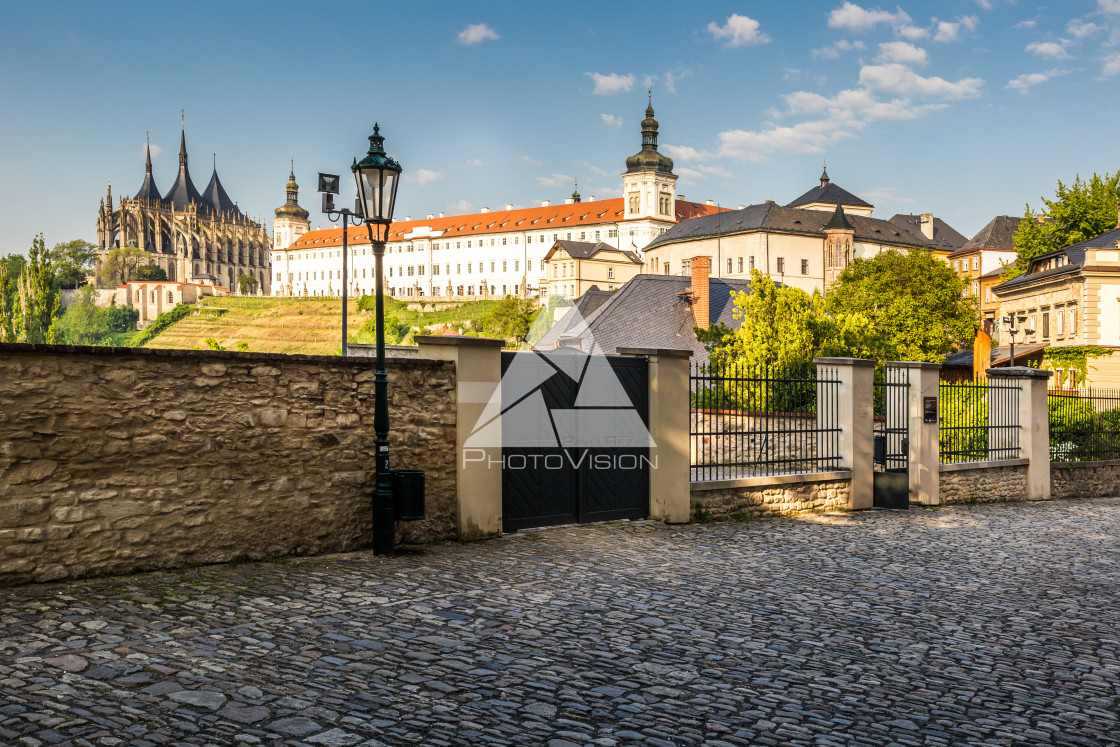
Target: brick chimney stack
pixel 701 297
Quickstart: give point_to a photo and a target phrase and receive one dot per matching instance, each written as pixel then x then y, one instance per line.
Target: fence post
pixel 925 451
pixel 856 399
pixel 670 499
pixel 1034 424
pixel 478 484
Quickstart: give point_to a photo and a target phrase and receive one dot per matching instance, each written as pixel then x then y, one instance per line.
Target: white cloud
pixel 671 79
pixel 985 4
pixel 474 162
pixel 902 52
pixel 855 105
pixel 685 153
pixel 596 169
pixel 899 79
pixel 460 207
pixel 611 84
pixel 913 33
pixel 740 31
pixel 947 32
pixel 691 174
pixel 611 120
pixel 831 53
pixel 1027 23
pixel 1111 66
pixel 1024 83
pixel 477 32
pixel 1050 50
pixel 855 18
pixel 1110 6
pixel 422 176
pixel 156 150
pixel 804 137
pixel 555 180
pixel 885 194
pixel 529 161
pixel 1081 29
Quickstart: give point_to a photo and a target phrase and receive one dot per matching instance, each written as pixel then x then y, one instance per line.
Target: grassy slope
pixel 311 326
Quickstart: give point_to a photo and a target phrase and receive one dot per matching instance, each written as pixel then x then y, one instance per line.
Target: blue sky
pixel 966 108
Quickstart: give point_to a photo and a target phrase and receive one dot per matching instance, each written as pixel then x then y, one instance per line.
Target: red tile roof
pixel 554 217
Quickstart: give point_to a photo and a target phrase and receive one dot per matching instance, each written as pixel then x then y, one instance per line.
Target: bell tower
pixel 839 249
pixel 290 223
pixel 649 184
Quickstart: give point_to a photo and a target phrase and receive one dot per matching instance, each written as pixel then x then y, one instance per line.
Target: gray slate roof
pixel 773 217
pixel 586 250
pixel 649 312
pixel 1074 252
pixel 216 197
pixel 945 237
pixel 149 190
pixel 829 192
pixel 998 234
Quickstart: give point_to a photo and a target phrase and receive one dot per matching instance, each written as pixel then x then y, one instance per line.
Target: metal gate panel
pixel 892 438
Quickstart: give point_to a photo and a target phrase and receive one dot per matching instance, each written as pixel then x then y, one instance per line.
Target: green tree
pixel 39 299
pixel 121 319
pixel 151 272
pixel 901 306
pixel 10 269
pixel 510 318
pixel 83 323
pixel 246 284
pixel 122 265
pixel 71 261
pixel 1078 212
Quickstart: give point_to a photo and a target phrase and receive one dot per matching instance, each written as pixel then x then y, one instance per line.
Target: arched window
pixel 153 296
pixel 170 297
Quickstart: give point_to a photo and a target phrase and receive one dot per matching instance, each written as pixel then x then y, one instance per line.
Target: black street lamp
pixel 1012 321
pixel 377 176
pixel 328 185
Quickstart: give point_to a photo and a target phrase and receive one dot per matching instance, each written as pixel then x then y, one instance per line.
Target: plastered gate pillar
pixel 855 414
pixel 478 470
pixel 925 451
pixel 1034 423
pixel 670 458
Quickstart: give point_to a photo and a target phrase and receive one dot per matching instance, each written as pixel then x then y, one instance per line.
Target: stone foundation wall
pixel 984 484
pixel 1085 480
pixel 769 499
pixel 113 460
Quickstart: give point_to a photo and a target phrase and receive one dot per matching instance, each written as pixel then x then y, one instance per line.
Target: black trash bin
pixel 408 494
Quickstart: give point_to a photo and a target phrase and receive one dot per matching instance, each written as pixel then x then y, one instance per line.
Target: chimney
pixel 441 214
pixel 509 206
pixel 431 215
pixel 407 218
pixel 485 210
pixel 927 225
pixel 742 207
pixel 680 197
pixel 546 203
pixel 709 202
pixel 701 299
pixel 569 200
pixel 592 198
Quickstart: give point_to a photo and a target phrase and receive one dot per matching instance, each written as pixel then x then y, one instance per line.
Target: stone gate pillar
pixel 856 397
pixel 1034 423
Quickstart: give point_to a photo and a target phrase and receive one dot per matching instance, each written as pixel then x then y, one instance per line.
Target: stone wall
pixel 1085 479
pixel 983 482
pixel 761 498
pixel 114 460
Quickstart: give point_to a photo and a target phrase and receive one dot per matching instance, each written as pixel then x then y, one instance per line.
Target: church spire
pixel 648 159
pixel 824 177
pixel 148 190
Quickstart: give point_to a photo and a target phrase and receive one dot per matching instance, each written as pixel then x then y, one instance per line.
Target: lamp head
pixel 377 176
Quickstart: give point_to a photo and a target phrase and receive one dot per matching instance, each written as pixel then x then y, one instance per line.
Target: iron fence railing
pixel 752 421
pixel 979 420
pixel 1084 424
pixel 891 407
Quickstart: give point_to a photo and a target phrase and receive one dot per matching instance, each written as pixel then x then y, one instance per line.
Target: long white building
pixel 486 254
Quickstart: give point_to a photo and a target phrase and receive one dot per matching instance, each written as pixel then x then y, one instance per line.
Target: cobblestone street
pixel 996 623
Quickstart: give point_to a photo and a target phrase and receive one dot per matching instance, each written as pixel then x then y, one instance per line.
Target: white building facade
pixel 489 254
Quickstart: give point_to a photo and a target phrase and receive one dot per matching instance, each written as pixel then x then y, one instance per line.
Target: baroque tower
pixel 290 223
pixel 649 184
pixel 838 245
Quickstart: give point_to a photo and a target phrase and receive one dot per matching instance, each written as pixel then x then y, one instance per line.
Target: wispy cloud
pixel 740 31
pixel 686 153
pixel 474 162
pixel 1024 83
pixel 611 83
pixel 476 33
pixel 950 31
pixel 672 78
pixel 899 79
pixel 527 160
pixel 834 51
pixel 902 52
pixel 1082 29
pixel 1026 23
pixel 1111 66
pixel 855 18
pixel 422 176
pixel 611 120
pixel 460 207
pixel 555 180
pixel 1050 50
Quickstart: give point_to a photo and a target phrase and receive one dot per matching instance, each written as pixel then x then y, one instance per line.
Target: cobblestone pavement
pixel 993 623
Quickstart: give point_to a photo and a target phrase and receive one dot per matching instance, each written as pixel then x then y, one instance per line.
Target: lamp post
pixel 1012 321
pixel 377 176
pixel 328 185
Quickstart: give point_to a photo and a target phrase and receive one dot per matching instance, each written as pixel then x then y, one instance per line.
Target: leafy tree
pixel 39 299
pixel 213 344
pixel 83 323
pixel 151 272
pixel 122 265
pixel 510 318
pixel 121 319
pixel 71 261
pixel 246 284
pixel 10 269
pixel 901 306
pixel 1078 212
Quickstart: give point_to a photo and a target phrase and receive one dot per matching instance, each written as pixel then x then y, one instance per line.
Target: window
pixel 612 233
pixel 491 265
pixel 503 241
pixel 516 265
pixel 1059 322
pixel 635 203
pixel 976 263
pixel 528 265
pixel 420 269
pixel 1045 325
pixel 435 269
pixel 171 298
pixel 610 273
pixel 469 270
pixel 804 267
pixel 458 270
pixel 503 265
pixel 582 235
pixel 781 264
pixel 740 264
pixel 729 265
pixel 752 261
pixel 1073 321
pixel 596 235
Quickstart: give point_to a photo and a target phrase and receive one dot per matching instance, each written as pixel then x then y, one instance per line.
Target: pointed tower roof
pixel 149 190
pixel 648 159
pixel 183 191
pixel 829 192
pixel 291 208
pixel 838 221
pixel 575 192
pixel 215 195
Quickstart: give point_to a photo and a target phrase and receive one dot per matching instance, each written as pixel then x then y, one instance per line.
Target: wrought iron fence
pixel 892 418
pixel 1084 424
pixel 979 420
pixel 762 421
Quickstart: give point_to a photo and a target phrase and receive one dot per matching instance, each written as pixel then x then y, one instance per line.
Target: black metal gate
pixel 570 425
pixel 892 438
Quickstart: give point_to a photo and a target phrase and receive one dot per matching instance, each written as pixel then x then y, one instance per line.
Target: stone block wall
pixel 1085 480
pixel 113 460
pixel 769 499
pixel 984 483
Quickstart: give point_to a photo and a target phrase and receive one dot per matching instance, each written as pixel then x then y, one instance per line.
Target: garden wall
pixel 114 460
pixel 779 495
pixel 984 482
pixel 1085 479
